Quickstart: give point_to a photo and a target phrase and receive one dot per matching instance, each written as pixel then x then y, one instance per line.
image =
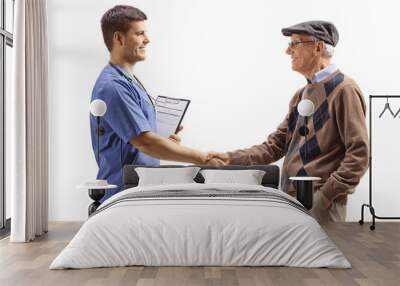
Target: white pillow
pixel 248 177
pixel 166 176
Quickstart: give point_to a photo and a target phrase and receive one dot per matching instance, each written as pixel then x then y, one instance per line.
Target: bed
pixel 201 224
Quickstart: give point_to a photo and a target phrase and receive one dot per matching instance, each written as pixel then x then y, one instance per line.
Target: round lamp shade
pixel 98 107
pixel 305 107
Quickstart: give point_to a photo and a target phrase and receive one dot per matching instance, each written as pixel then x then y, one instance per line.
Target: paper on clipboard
pixel 170 112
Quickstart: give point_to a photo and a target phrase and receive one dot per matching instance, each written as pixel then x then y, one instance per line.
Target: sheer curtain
pixel 28 117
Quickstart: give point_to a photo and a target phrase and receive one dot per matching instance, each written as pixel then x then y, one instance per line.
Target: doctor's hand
pixel 222 157
pixel 174 137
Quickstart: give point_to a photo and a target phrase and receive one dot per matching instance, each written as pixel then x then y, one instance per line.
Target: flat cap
pixel 322 30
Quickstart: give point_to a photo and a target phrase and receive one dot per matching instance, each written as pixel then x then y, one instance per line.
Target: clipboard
pixel 169 113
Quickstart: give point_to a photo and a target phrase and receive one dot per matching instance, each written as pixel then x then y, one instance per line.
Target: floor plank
pixel 374 255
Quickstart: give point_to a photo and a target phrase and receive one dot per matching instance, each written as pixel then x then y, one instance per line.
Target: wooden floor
pixel 374 255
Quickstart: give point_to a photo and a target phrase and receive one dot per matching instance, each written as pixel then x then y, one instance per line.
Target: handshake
pixel 217 159
pixel 201 158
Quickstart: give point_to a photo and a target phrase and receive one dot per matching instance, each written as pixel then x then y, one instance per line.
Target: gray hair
pixel 329 49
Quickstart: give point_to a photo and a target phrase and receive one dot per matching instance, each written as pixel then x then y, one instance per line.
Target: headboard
pixel 270 179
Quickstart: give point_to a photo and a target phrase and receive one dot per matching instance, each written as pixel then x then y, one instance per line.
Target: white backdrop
pixel 229 58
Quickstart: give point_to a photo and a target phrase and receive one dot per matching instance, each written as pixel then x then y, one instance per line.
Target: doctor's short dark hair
pixel 118 19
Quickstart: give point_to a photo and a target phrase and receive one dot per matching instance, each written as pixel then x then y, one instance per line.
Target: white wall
pixel 228 58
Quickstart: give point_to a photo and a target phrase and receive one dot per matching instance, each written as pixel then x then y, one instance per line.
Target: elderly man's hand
pixel 324 202
pixel 222 158
pixel 174 137
pixel 341 199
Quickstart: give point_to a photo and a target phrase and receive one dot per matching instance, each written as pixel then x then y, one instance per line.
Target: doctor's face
pixel 134 42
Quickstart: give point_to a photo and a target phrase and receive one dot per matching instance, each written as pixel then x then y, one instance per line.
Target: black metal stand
pixel 304 193
pixel 96 195
pixel 369 205
pixel 304 188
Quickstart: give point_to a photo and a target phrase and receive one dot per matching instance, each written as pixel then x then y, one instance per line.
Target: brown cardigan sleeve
pixel 269 151
pixel 265 153
pixel 350 115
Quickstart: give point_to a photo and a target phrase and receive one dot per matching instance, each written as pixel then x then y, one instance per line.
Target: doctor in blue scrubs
pixel 130 131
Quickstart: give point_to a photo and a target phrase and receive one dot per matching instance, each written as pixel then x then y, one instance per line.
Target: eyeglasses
pixel 296 43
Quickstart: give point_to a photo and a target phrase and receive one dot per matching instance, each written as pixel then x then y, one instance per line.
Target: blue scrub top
pixel 129 113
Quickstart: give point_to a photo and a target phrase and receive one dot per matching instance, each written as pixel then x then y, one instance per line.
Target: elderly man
pixel 337 141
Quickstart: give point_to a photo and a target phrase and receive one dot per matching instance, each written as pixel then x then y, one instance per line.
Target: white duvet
pixel 183 231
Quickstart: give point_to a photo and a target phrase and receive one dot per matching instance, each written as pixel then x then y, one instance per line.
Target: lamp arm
pixel 305 137
pixel 98 138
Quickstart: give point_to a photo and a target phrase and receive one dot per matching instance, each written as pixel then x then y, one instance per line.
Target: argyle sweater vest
pixel 337 142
